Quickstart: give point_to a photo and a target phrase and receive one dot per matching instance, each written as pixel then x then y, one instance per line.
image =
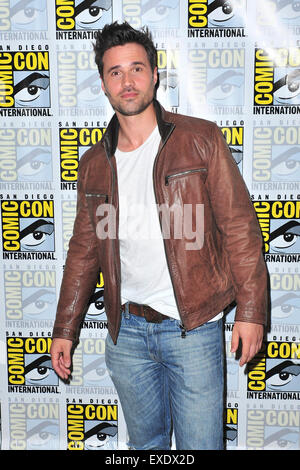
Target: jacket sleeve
pixel 241 234
pixel 80 273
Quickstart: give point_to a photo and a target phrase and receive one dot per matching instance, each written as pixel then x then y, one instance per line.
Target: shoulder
pixel 95 152
pixel 191 124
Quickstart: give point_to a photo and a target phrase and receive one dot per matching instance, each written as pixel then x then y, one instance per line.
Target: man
pixel 165 290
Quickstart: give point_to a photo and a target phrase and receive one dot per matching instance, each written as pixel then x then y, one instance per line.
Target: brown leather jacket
pixel 193 165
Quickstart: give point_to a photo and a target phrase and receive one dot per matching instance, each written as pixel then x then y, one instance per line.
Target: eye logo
pixel 280 225
pixel 154 13
pixel 32 90
pixel 82 14
pixel 23 15
pixel 216 14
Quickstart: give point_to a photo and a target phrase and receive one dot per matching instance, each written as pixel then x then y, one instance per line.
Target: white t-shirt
pixel 145 277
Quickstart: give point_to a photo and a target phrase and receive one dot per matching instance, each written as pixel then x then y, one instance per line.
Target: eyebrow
pixel 137 62
pixel 283 229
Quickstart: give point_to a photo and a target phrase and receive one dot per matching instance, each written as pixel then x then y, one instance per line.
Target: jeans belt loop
pixel 126 310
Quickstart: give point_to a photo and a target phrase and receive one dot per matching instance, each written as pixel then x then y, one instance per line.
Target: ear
pixel 102 84
pixel 155 76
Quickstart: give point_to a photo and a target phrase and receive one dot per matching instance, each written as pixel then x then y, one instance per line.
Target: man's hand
pixel 251 335
pixel 61 357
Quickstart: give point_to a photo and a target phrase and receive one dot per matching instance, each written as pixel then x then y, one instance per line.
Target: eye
pixel 156 14
pixel 30 165
pixel 35 238
pixel 284 241
pixel 38 302
pixel 289 11
pixel 25 16
pixel 280 379
pixel 287 87
pixel 282 374
pixel 39 373
pixel 102 437
pixel 90 15
pixel 29 94
pixel 224 86
pixel 287 162
pixel 285 305
pixel 222 13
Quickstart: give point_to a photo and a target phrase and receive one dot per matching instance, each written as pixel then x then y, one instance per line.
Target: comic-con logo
pixel 285 299
pixel 72 15
pixel 30 295
pixel 276 78
pixel 215 18
pixel 95 316
pixel 168 90
pixel 272 429
pixel 156 14
pixel 92 426
pixel 23 15
pixel 280 226
pixel 276 154
pixel 28 228
pixel 274 373
pixel 73 142
pixel 25 154
pixel 79 84
pixel 274 13
pixel 216 80
pixel 33 426
pixel 89 368
pixel 234 136
pixel 24 80
pixel 231 426
pixel 29 365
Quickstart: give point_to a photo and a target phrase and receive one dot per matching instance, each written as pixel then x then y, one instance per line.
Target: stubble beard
pixel 137 109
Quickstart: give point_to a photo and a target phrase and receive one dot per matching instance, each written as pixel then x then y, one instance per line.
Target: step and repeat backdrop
pixel 236 63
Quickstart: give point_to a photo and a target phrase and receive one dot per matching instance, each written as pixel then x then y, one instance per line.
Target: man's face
pixel 128 80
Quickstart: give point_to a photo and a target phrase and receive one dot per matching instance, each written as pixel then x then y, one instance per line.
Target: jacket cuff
pixel 64 333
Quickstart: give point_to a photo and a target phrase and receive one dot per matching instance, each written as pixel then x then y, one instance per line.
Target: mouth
pixel 129 95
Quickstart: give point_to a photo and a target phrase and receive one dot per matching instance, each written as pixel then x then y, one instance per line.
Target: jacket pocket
pixel 184 173
pixel 99 197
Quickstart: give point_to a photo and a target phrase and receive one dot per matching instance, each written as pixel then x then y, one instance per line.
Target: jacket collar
pixel 110 139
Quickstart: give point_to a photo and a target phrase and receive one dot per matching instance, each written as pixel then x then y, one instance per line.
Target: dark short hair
pixel 115 34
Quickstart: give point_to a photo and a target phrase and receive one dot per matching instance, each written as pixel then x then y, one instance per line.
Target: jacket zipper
pixel 114 248
pixel 97 195
pixel 183 173
pixel 183 329
pixel 167 178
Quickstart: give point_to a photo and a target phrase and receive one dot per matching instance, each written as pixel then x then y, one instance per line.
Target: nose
pixel 127 79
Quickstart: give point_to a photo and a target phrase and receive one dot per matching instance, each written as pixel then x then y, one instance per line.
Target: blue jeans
pixel 166 382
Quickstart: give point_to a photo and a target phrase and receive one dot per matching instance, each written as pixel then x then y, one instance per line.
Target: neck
pixel 134 130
